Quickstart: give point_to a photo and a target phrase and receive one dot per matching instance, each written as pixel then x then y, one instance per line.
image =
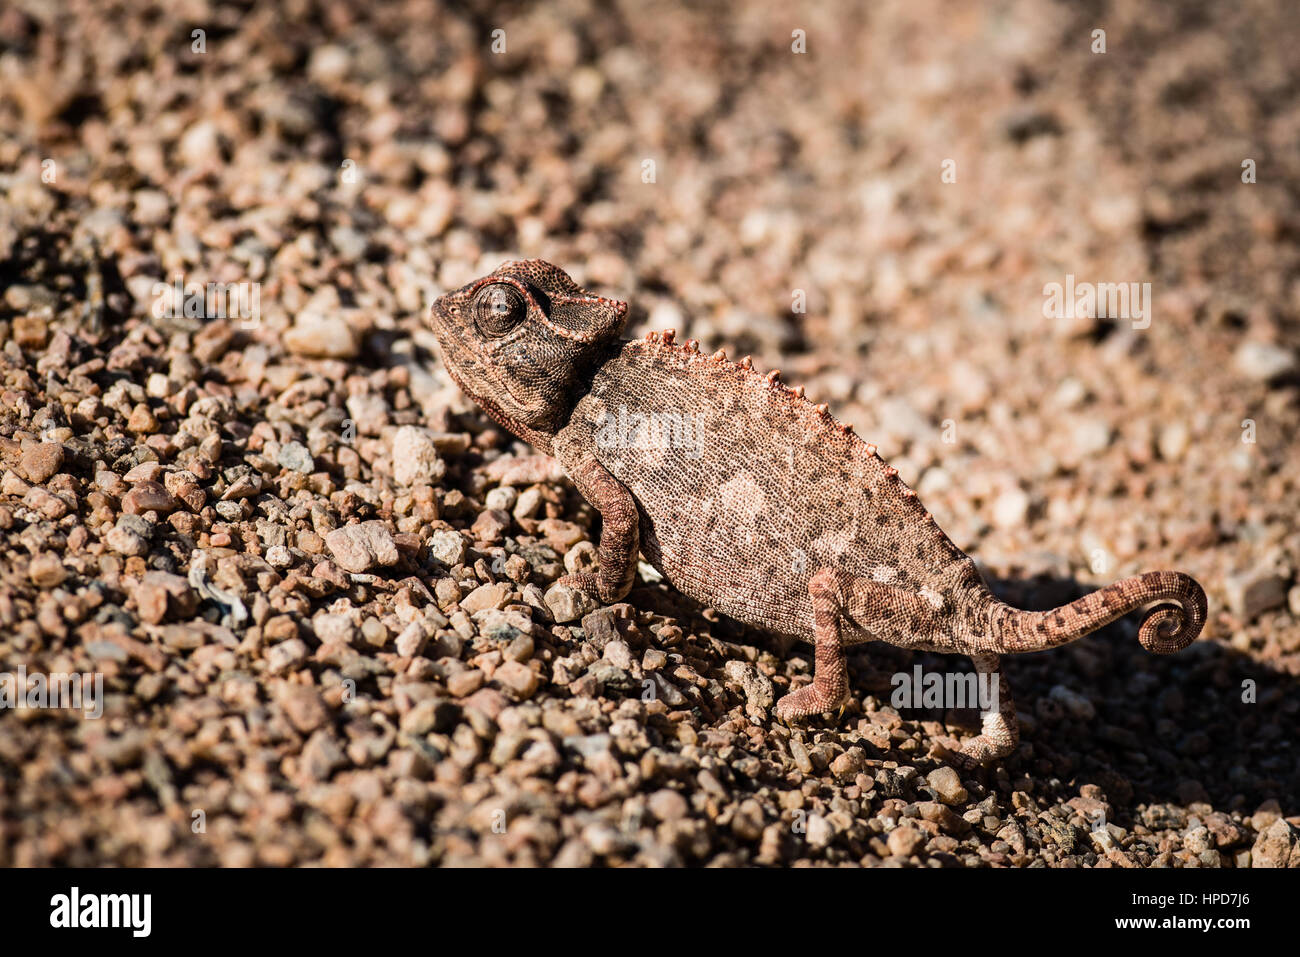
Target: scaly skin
pixel 749 498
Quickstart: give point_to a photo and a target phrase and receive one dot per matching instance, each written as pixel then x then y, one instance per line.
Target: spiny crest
pixel 689 351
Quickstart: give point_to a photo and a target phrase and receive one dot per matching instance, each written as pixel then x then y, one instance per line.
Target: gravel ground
pixel 314 577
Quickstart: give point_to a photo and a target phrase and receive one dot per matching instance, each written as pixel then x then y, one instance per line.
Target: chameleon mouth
pixel 493 410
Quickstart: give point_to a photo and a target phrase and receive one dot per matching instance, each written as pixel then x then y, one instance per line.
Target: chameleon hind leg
pixel 999 730
pixel 830 687
pixel 848 611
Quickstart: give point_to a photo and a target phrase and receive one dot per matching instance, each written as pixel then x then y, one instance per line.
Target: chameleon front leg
pixel 620 537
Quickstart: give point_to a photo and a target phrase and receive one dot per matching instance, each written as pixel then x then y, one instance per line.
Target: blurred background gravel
pixel 314 576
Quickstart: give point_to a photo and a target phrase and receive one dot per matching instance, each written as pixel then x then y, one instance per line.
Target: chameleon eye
pixel 498 309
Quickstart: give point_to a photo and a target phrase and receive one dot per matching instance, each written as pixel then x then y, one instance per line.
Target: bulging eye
pixel 498 309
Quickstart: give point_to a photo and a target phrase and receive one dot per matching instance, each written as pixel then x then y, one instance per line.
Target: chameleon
pixel 748 497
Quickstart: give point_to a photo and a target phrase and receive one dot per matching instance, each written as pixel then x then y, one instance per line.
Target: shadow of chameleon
pixel 1207 724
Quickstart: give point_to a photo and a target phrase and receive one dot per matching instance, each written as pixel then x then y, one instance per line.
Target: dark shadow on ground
pixel 1207 724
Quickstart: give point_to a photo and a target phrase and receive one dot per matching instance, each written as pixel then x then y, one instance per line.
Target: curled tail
pixel 1171 625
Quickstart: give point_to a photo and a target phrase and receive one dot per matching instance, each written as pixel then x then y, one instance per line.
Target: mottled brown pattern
pixel 751 498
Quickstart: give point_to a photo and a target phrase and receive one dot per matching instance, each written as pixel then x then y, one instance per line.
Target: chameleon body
pixel 748 497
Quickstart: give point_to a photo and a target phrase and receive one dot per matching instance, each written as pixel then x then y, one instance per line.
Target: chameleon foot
pixel 806 701
pixel 983 749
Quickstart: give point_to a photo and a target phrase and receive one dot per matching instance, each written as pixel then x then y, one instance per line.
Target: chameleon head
pixel 517 340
